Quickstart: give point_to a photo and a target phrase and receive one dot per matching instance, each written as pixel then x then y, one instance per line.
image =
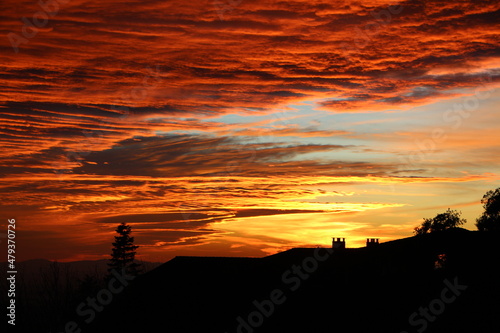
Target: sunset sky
pixel 242 128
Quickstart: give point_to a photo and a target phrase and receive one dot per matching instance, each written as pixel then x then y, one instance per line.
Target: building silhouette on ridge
pixel 338 243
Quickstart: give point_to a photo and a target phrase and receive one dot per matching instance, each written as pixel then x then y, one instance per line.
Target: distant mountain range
pixel 30 270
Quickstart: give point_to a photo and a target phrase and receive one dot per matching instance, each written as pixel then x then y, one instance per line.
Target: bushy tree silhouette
pixel 444 221
pixel 490 219
pixel 123 252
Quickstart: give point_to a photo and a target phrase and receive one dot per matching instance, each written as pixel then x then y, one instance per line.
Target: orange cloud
pixel 114 111
pixel 183 58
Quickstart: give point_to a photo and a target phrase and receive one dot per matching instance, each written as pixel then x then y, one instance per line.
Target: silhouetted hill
pixel 32 270
pixel 382 289
pixel 46 292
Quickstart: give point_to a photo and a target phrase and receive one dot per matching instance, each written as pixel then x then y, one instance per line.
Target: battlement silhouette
pixel 371 242
pixel 338 243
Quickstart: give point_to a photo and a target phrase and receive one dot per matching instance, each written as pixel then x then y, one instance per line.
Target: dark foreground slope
pixel 385 289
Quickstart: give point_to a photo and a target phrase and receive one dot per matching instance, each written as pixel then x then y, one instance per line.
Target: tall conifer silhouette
pixel 123 252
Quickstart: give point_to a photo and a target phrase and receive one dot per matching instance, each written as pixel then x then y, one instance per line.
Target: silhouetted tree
pixel 123 252
pixel 490 220
pixel 444 221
